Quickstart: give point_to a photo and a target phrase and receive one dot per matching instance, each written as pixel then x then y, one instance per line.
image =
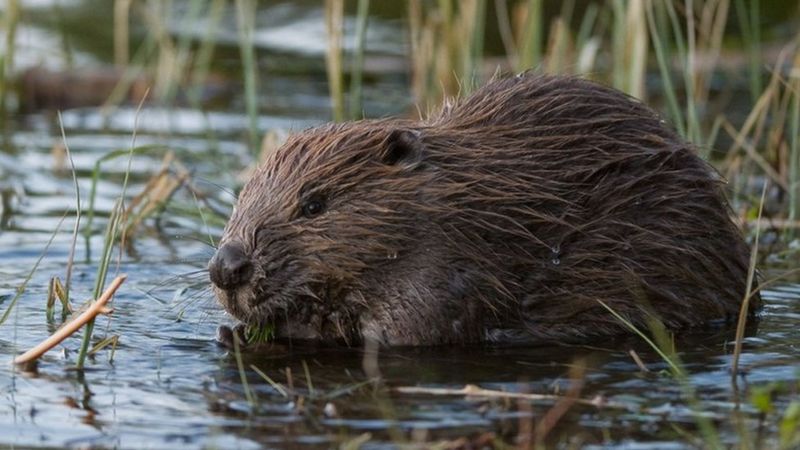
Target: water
pixel 170 384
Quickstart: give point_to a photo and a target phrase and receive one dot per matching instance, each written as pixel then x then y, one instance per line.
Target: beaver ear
pixel 402 147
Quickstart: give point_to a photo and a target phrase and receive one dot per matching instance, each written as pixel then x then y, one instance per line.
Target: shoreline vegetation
pixel 706 65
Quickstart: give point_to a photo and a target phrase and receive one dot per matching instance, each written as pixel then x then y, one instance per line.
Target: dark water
pixel 169 384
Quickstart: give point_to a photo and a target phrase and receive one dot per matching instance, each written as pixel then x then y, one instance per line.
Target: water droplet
pixel 392 255
pixel 555 261
pixel 556 249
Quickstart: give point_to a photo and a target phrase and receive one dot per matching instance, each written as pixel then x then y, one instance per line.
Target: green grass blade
pixel 357 69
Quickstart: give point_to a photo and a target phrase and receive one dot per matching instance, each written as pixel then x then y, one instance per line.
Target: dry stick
pixel 745 306
pixel 475 391
pixel 638 360
pixel 777 224
pixel 769 282
pixel 74 325
pixel 760 161
pixel 551 418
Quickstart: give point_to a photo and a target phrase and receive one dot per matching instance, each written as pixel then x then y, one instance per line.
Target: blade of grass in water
pixel 71 257
pixel 117 217
pixel 308 379
pixel 113 341
pixel 672 364
pixel 100 280
pixel 745 307
pixel 248 393
pixel 280 389
pixel 711 438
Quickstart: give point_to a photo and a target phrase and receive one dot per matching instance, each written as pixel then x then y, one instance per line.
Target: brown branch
pixel 475 391
pixel 98 307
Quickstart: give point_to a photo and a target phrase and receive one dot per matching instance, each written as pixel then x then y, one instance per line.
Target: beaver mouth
pixel 305 319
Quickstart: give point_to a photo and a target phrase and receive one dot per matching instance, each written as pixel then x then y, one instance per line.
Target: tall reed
pixel 357 66
pixel 334 26
pixel 447 48
pixel 794 145
pixel 532 37
pixel 629 46
pixel 202 60
pixel 245 18
pixel 10 20
pixel 749 14
pixel 122 13
pixel 104 264
pixel 113 230
pixel 473 57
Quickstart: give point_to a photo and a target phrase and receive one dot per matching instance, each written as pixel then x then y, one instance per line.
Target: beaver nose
pixel 230 267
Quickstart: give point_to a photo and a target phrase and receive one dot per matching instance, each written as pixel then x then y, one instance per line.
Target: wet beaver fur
pixel 504 218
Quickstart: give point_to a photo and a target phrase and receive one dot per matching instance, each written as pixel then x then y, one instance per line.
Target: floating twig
pixel 98 307
pixel 638 360
pixel 475 391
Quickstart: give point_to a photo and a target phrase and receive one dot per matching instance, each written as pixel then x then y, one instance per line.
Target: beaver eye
pixel 313 207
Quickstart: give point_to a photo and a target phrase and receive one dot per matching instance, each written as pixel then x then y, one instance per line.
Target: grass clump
pixel 258 334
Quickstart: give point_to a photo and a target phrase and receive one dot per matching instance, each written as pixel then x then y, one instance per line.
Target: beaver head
pixel 323 221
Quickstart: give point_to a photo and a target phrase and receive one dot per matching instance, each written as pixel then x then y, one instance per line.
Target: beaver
pixel 507 217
